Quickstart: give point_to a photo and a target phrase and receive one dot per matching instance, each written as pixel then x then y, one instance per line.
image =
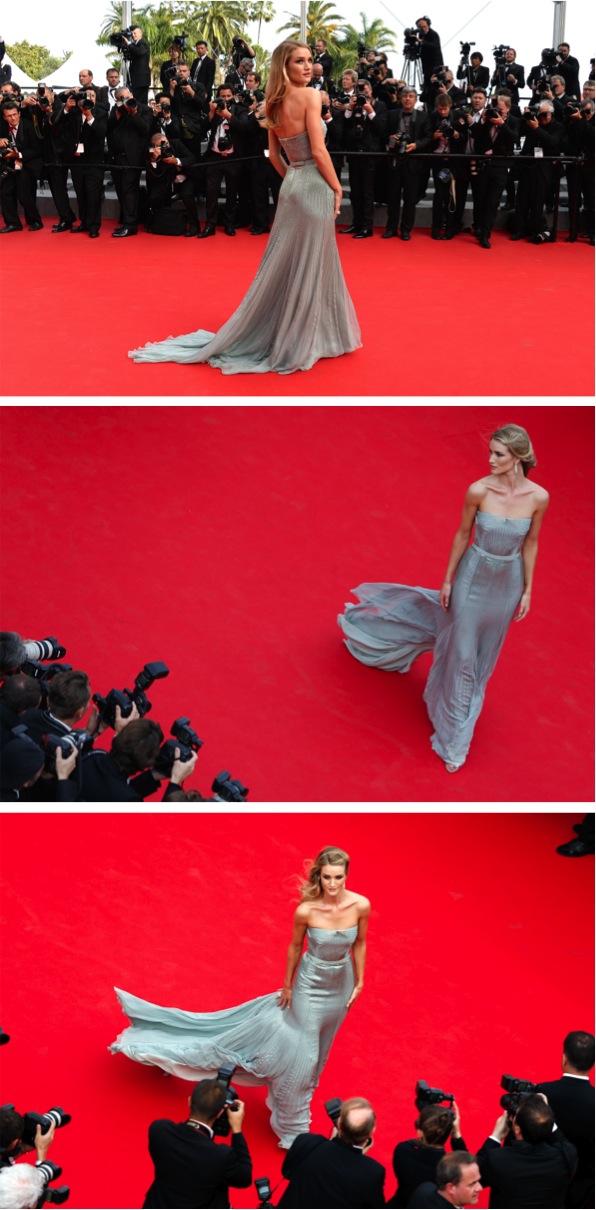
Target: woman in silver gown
pixel 298 308
pixel 281 1039
pixel 487 584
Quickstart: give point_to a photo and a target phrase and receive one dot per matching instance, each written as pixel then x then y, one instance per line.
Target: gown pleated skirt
pixel 394 623
pixel 298 308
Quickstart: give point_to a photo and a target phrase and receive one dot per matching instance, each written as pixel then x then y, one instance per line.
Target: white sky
pixel 527 26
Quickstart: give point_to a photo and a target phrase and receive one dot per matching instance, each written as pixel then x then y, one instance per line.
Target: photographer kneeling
pixel 191 1169
pixel 135 748
pixel 167 162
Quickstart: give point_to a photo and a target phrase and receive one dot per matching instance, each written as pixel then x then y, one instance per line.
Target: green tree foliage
pixel 373 34
pixel 322 21
pixel 35 60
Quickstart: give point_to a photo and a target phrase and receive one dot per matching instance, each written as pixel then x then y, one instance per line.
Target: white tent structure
pixel 18 75
pixel 96 58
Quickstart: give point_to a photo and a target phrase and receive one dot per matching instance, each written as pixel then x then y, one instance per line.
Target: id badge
pixel 538 153
pixel 80 149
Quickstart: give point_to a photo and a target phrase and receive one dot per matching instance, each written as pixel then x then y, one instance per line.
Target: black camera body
pixel 227 789
pixel 515 1092
pixel 120 39
pixel 431 1096
pixel 264 1191
pixel 333 1108
pixel 398 143
pixel 52 744
pixel 43 675
pixel 221 1126
pixel 499 55
pixel 125 698
pixel 185 740
pixel 56 1116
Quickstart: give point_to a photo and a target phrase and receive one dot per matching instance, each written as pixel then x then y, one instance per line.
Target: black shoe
pixel 191 233
pixel 484 242
pixel 348 230
pixel 575 848
pixel 80 230
pixel 94 235
pixel 517 235
pixel 10 227
pixel 229 230
pixel 122 232
pixel 208 230
pixel 405 235
pixel 390 233
pixel 259 231
pixel 36 226
pixel 436 235
pixel 61 226
pixel 366 233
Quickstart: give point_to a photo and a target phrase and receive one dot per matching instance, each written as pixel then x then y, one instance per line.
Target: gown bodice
pixel 298 149
pixel 500 536
pixel 330 945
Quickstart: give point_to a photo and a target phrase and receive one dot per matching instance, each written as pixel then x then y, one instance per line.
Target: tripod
pixel 411 72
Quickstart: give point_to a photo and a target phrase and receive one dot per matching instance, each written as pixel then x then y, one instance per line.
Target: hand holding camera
pixel 43 1141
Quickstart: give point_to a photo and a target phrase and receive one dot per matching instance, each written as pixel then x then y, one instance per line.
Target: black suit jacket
pixel 373 134
pixel 427 1197
pixel 203 71
pixel 326 63
pixel 93 139
pixel 421 136
pixel 511 69
pixel 414 1163
pixel 29 143
pixel 569 69
pixel 191 1169
pixel 138 54
pixel 524 1175
pixel 330 1173
pixel 480 78
pixel 572 1102
pixel 128 135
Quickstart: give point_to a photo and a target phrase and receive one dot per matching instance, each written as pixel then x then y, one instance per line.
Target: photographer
pixel 493 139
pixel 416 1160
pixel 540 76
pixel 163 121
pixel 191 1169
pixel 263 176
pixel 69 699
pixel 18 694
pixel 364 133
pixel 537 1166
pixel 202 69
pixel 509 74
pixel 22 1185
pixel 87 176
pixel 169 68
pixel 408 130
pixel 128 130
pixel 59 146
pixel 23 764
pixel 449 135
pixel 226 131
pixel 431 55
pixel 20 169
pixel 572 1101
pixel 475 75
pixel 167 160
pixel 189 107
pixel 457 1184
pixel 536 178
pixel 580 133
pixel 243 55
pixel 336 1171
pixel 138 54
pixel 109 777
pixel 569 69
pixel 442 83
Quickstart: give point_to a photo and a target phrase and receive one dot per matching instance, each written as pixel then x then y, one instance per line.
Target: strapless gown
pixel 284 1049
pixel 298 308
pixel 393 624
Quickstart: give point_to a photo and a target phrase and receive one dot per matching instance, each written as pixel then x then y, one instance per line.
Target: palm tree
pixel 374 36
pixel 321 22
pixel 261 10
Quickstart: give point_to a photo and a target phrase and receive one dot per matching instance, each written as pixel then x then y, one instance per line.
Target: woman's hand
pixel 284 998
pixel 357 990
pixel 338 194
pixel 445 596
pixel 524 607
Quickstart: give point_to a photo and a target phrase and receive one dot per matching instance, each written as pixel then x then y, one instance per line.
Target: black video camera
pixel 120 39
pixel 465 48
pixel 431 1096
pixel 550 58
pixel 499 54
pixel 181 41
pixel 515 1092
pixel 225 788
pixel 221 1126
pixel 185 740
pixel 125 698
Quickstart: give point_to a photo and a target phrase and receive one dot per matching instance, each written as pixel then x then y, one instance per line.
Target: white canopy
pixel 18 75
pixel 95 58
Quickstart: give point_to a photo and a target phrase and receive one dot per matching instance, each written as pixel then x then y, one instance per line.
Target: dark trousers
pixel 490 184
pixel 127 183
pixel 245 206
pixel 361 169
pixel 217 169
pixel 444 207
pixel 141 94
pixel 88 184
pixel 402 183
pixel 57 178
pixel 160 195
pixel 534 184
pixel 263 178
pixel 20 186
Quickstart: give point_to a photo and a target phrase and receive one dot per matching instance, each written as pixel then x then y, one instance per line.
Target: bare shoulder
pixel 302 912
pixel 477 491
pixel 362 904
pixel 312 99
pixel 540 495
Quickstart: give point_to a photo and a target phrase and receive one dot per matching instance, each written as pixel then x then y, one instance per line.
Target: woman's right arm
pixel 474 496
pixel 317 143
pixel 294 954
pixel 275 155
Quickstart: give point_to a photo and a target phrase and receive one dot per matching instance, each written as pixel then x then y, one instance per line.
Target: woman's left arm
pixel 529 556
pixel 359 952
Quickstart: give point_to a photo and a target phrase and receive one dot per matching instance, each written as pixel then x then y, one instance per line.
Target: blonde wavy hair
pixel 518 443
pixel 279 81
pixel 312 889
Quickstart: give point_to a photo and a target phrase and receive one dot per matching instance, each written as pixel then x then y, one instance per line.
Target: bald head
pixel 356 1121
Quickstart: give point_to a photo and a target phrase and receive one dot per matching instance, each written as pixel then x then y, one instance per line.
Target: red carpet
pixel 437 319
pixel 480 961
pixel 225 540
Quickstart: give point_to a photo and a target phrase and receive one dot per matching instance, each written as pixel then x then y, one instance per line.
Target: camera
pixel 431 1096
pixel 52 744
pixel 31 1120
pixel 531 112
pixel 440 75
pixel 465 48
pixel 550 58
pixel 491 111
pixel 125 698
pixel 44 649
pixel 515 1092
pixel 185 739
pixel 499 54
pixel 43 675
pixel 181 41
pixel 446 127
pixel 120 38
pixel 398 143
pixel 220 104
pixel 264 1191
pixel 543 84
pixel 333 1109
pixel 224 787
pixel 221 1126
